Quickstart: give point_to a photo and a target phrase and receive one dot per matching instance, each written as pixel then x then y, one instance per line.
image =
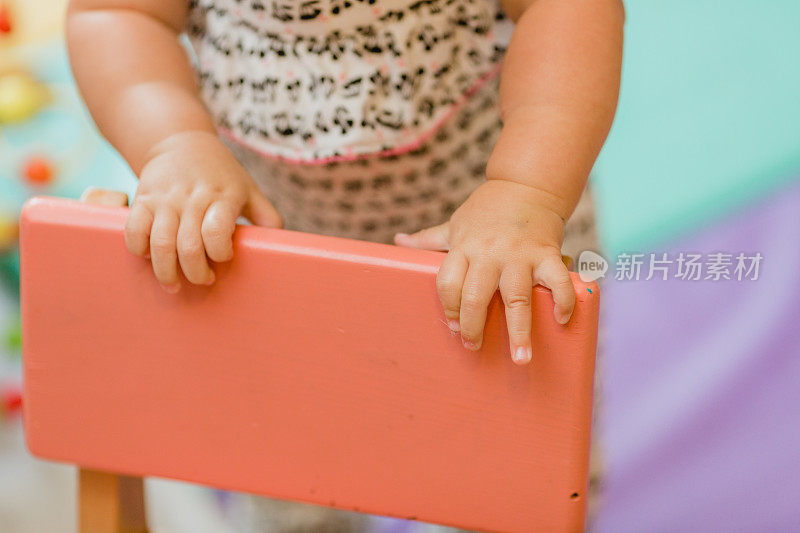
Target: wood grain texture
pixel 316 369
pixel 110 503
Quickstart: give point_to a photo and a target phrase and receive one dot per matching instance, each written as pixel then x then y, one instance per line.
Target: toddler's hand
pixel 505 236
pixel 190 194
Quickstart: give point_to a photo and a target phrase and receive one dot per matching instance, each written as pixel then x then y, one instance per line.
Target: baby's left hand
pixel 505 235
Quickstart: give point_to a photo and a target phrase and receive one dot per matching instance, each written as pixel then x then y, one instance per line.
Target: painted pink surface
pixel 315 369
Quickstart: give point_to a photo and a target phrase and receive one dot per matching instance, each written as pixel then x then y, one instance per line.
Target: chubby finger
pixel 553 274
pixel 217 229
pixel 164 256
pixel 137 230
pixel 433 238
pixel 190 247
pixel 516 286
pixel 260 211
pixel 449 282
pixel 480 284
pixel 98 196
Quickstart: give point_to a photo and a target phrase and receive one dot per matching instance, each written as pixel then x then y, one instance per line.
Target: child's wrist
pixel 181 139
pixel 537 196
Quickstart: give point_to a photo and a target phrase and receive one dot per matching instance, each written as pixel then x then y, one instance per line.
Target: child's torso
pixel 322 80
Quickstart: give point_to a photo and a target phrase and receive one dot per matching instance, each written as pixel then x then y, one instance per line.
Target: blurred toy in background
pixel 27 21
pixel 9 267
pixel 20 97
pixel 38 170
pixel 9 233
pixel 12 337
pixel 5 19
pixel 10 401
pixel 47 147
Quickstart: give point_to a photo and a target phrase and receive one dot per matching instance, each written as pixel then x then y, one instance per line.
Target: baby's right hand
pixel 191 191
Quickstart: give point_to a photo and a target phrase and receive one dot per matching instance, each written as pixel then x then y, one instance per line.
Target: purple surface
pixel 700 419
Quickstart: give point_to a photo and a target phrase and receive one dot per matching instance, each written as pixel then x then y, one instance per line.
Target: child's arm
pixel 141 91
pixel 558 95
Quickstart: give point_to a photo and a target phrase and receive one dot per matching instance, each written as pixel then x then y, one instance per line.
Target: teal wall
pixel 709 116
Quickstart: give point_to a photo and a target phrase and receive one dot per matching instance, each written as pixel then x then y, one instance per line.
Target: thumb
pixel 433 238
pixel 261 212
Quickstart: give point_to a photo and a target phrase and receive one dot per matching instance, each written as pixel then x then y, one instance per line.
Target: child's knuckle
pixel 517 300
pixel 471 299
pixel 190 248
pixel 517 330
pixel 451 313
pixel 134 239
pixel 162 244
pixel 446 285
pixel 213 231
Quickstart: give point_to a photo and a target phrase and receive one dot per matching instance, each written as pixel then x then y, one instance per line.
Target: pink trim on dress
pixel 402 149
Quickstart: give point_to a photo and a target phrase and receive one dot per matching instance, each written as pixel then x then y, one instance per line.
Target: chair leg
pixel 110 503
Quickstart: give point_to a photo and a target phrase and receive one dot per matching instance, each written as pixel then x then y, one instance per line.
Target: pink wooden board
pixel 315 369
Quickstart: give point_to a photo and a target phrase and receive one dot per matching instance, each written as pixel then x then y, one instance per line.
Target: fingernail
pixel 172 289
pixel 522 356
pixel 454 326
pixel 401 235
pixel 563 318
pixel 469 345
pixel 211 279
